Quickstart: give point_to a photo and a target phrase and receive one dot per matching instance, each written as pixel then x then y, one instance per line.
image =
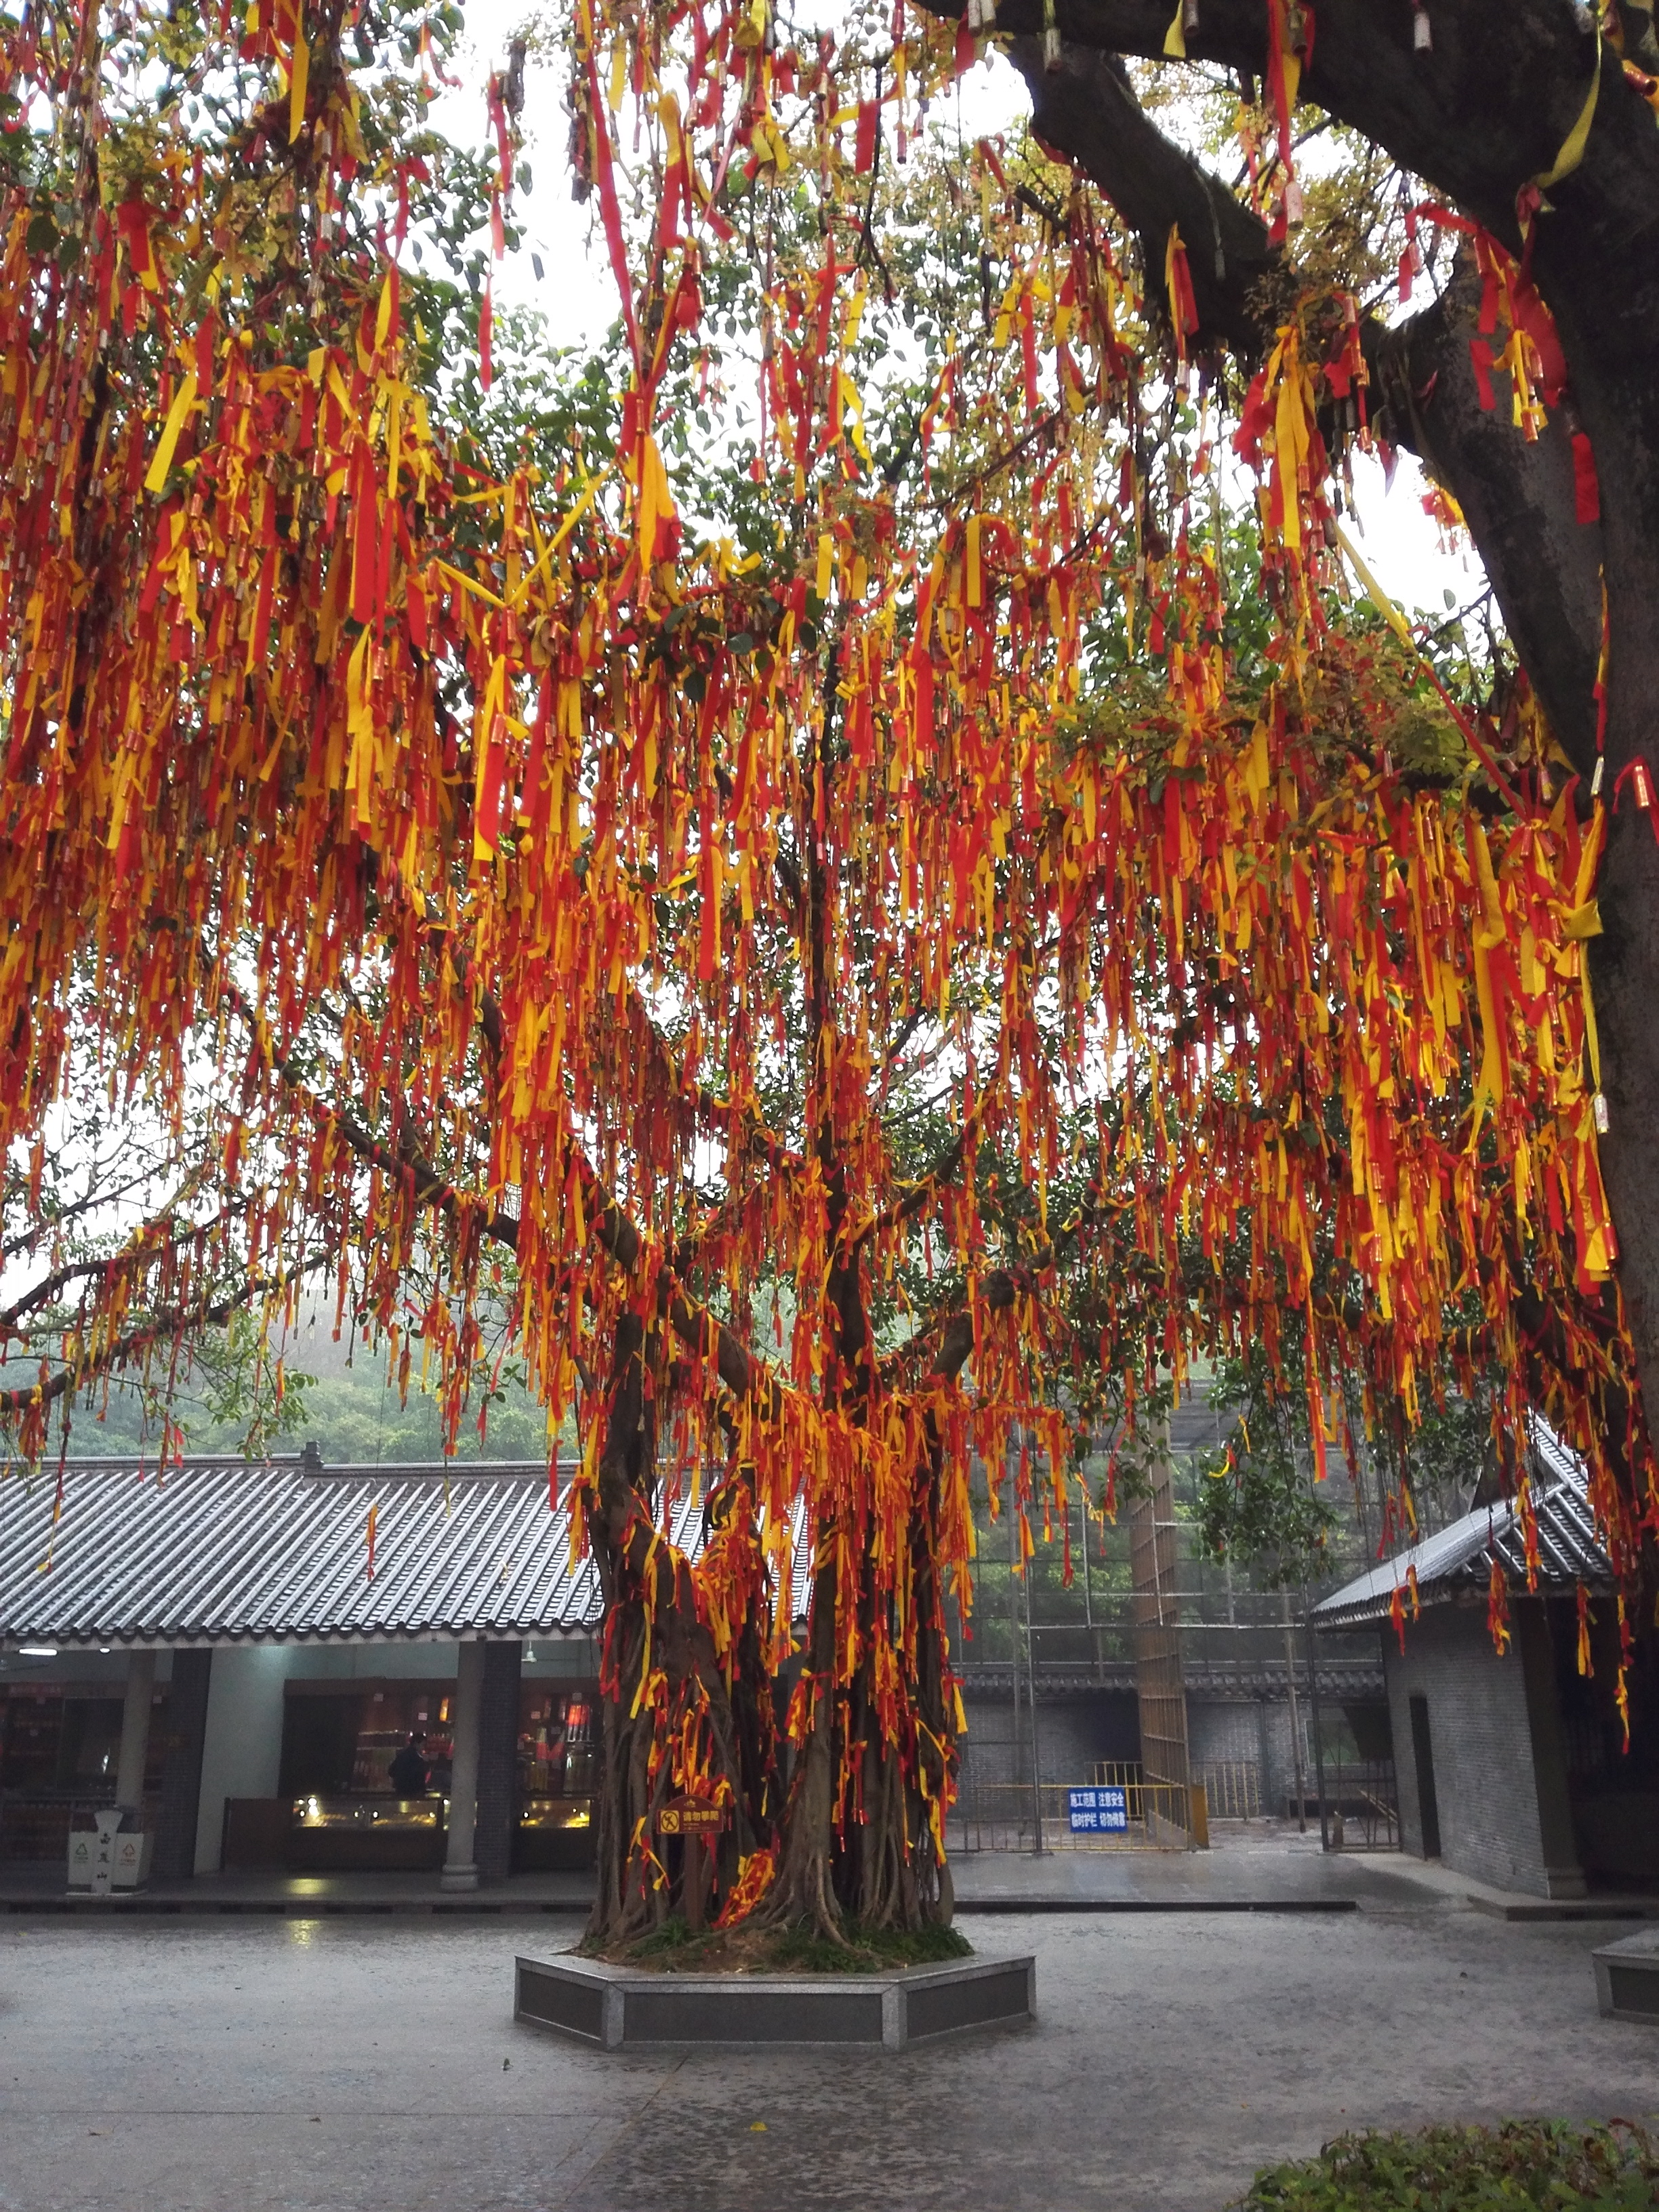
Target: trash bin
pixel 104 1860
pixel 83 1849
pixel 131 1867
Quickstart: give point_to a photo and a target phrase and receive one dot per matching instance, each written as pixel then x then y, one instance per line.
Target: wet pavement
pixel 1256 1866
pixel 33 1889
pixel 274 2064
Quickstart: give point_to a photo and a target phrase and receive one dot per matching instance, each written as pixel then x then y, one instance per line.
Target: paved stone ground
pixel 322 2066
pixel 1261 1862
pixel 27 1889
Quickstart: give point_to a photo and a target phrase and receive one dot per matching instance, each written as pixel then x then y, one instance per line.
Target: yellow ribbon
pixel 1572 150
pixel 301 80
pixel 161 467
pixel 563 531
pixel 1375 593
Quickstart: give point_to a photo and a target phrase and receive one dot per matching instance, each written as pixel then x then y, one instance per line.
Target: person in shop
pixel 408 1772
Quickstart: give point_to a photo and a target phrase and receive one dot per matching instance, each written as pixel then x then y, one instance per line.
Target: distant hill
pixel 347 1408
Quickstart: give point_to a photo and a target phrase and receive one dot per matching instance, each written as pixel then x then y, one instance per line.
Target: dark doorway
pixel 1428 1805
pixel 319 1745
pixel 89 1744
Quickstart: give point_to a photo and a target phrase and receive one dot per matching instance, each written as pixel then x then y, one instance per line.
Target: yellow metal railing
pixel 1233 1787
pixel 1001 1816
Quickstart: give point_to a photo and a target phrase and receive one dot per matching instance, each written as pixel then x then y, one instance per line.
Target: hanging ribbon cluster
pixel 537 880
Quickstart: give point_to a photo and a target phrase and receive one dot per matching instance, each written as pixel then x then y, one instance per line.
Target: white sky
pixel 578 297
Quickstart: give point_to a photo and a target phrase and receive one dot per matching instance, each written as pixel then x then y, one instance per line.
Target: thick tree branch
pixel 28 1240
pixel 741 1126
pixel 150 1243
pixel 702 1331
pixel 956 1344
pixel 1486 109
pixel 932 1178
pixel 209 1313
pixel 1087 110
pixel 954 1329
pixel 1517 498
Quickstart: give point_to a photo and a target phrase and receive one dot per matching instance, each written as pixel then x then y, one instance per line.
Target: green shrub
pixel 1522 2165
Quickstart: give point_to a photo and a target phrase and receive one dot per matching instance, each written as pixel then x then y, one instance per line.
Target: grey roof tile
pixel 1457 1559
pixel 220 1551
pixel 225 1552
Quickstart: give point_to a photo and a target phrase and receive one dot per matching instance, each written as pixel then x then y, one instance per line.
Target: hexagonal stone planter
pixel 1627 1977
pixel 623 2009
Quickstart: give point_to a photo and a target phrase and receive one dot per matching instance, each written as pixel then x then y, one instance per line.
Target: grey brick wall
pixel 1255 1732
pixel 181 1796
pixel 1231 1730
pixel 1482 1734
pixel 1074 1732
pixel 498 1761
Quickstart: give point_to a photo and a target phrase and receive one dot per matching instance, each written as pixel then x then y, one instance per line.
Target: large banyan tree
pixel 825 868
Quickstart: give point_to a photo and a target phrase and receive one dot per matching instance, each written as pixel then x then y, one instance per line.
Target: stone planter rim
pixel 870 2010
pixel 1627 1977
pixel 654 1977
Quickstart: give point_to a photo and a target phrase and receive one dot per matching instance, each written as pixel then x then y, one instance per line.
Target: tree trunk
pixel 900 1878
pixel 859 1843
pixel 804 1892
pixel 674 1718
pixel 864 1833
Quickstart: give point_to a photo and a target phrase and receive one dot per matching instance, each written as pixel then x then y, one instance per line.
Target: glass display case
pixel 339 1740
pixel 557 1747
pixel 557 1776
pixel 360 1833
pixel 391 1717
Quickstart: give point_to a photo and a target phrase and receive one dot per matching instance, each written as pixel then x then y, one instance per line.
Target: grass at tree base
pixel 1521 2166
pixel 674 1948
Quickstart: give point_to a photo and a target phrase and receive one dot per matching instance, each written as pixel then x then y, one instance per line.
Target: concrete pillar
pixel 498 1761
pixel 242 1742
pixel 460 1867
pixel 135 1730
pixel 181 1777
pixel 1563 1874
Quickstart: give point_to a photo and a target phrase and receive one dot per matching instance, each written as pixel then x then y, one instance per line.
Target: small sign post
pixel 692 1819
pixel 1102 1810
pixel 109 1818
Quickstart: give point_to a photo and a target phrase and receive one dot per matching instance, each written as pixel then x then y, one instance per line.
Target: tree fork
pixel 1518 497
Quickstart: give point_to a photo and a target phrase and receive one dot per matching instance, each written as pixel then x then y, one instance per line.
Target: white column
pixel 460 1868
pixel 242 1742
pixel 135 1729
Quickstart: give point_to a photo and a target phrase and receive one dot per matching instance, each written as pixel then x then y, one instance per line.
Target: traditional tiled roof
pixel 1457 1560
pixel 225 1552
